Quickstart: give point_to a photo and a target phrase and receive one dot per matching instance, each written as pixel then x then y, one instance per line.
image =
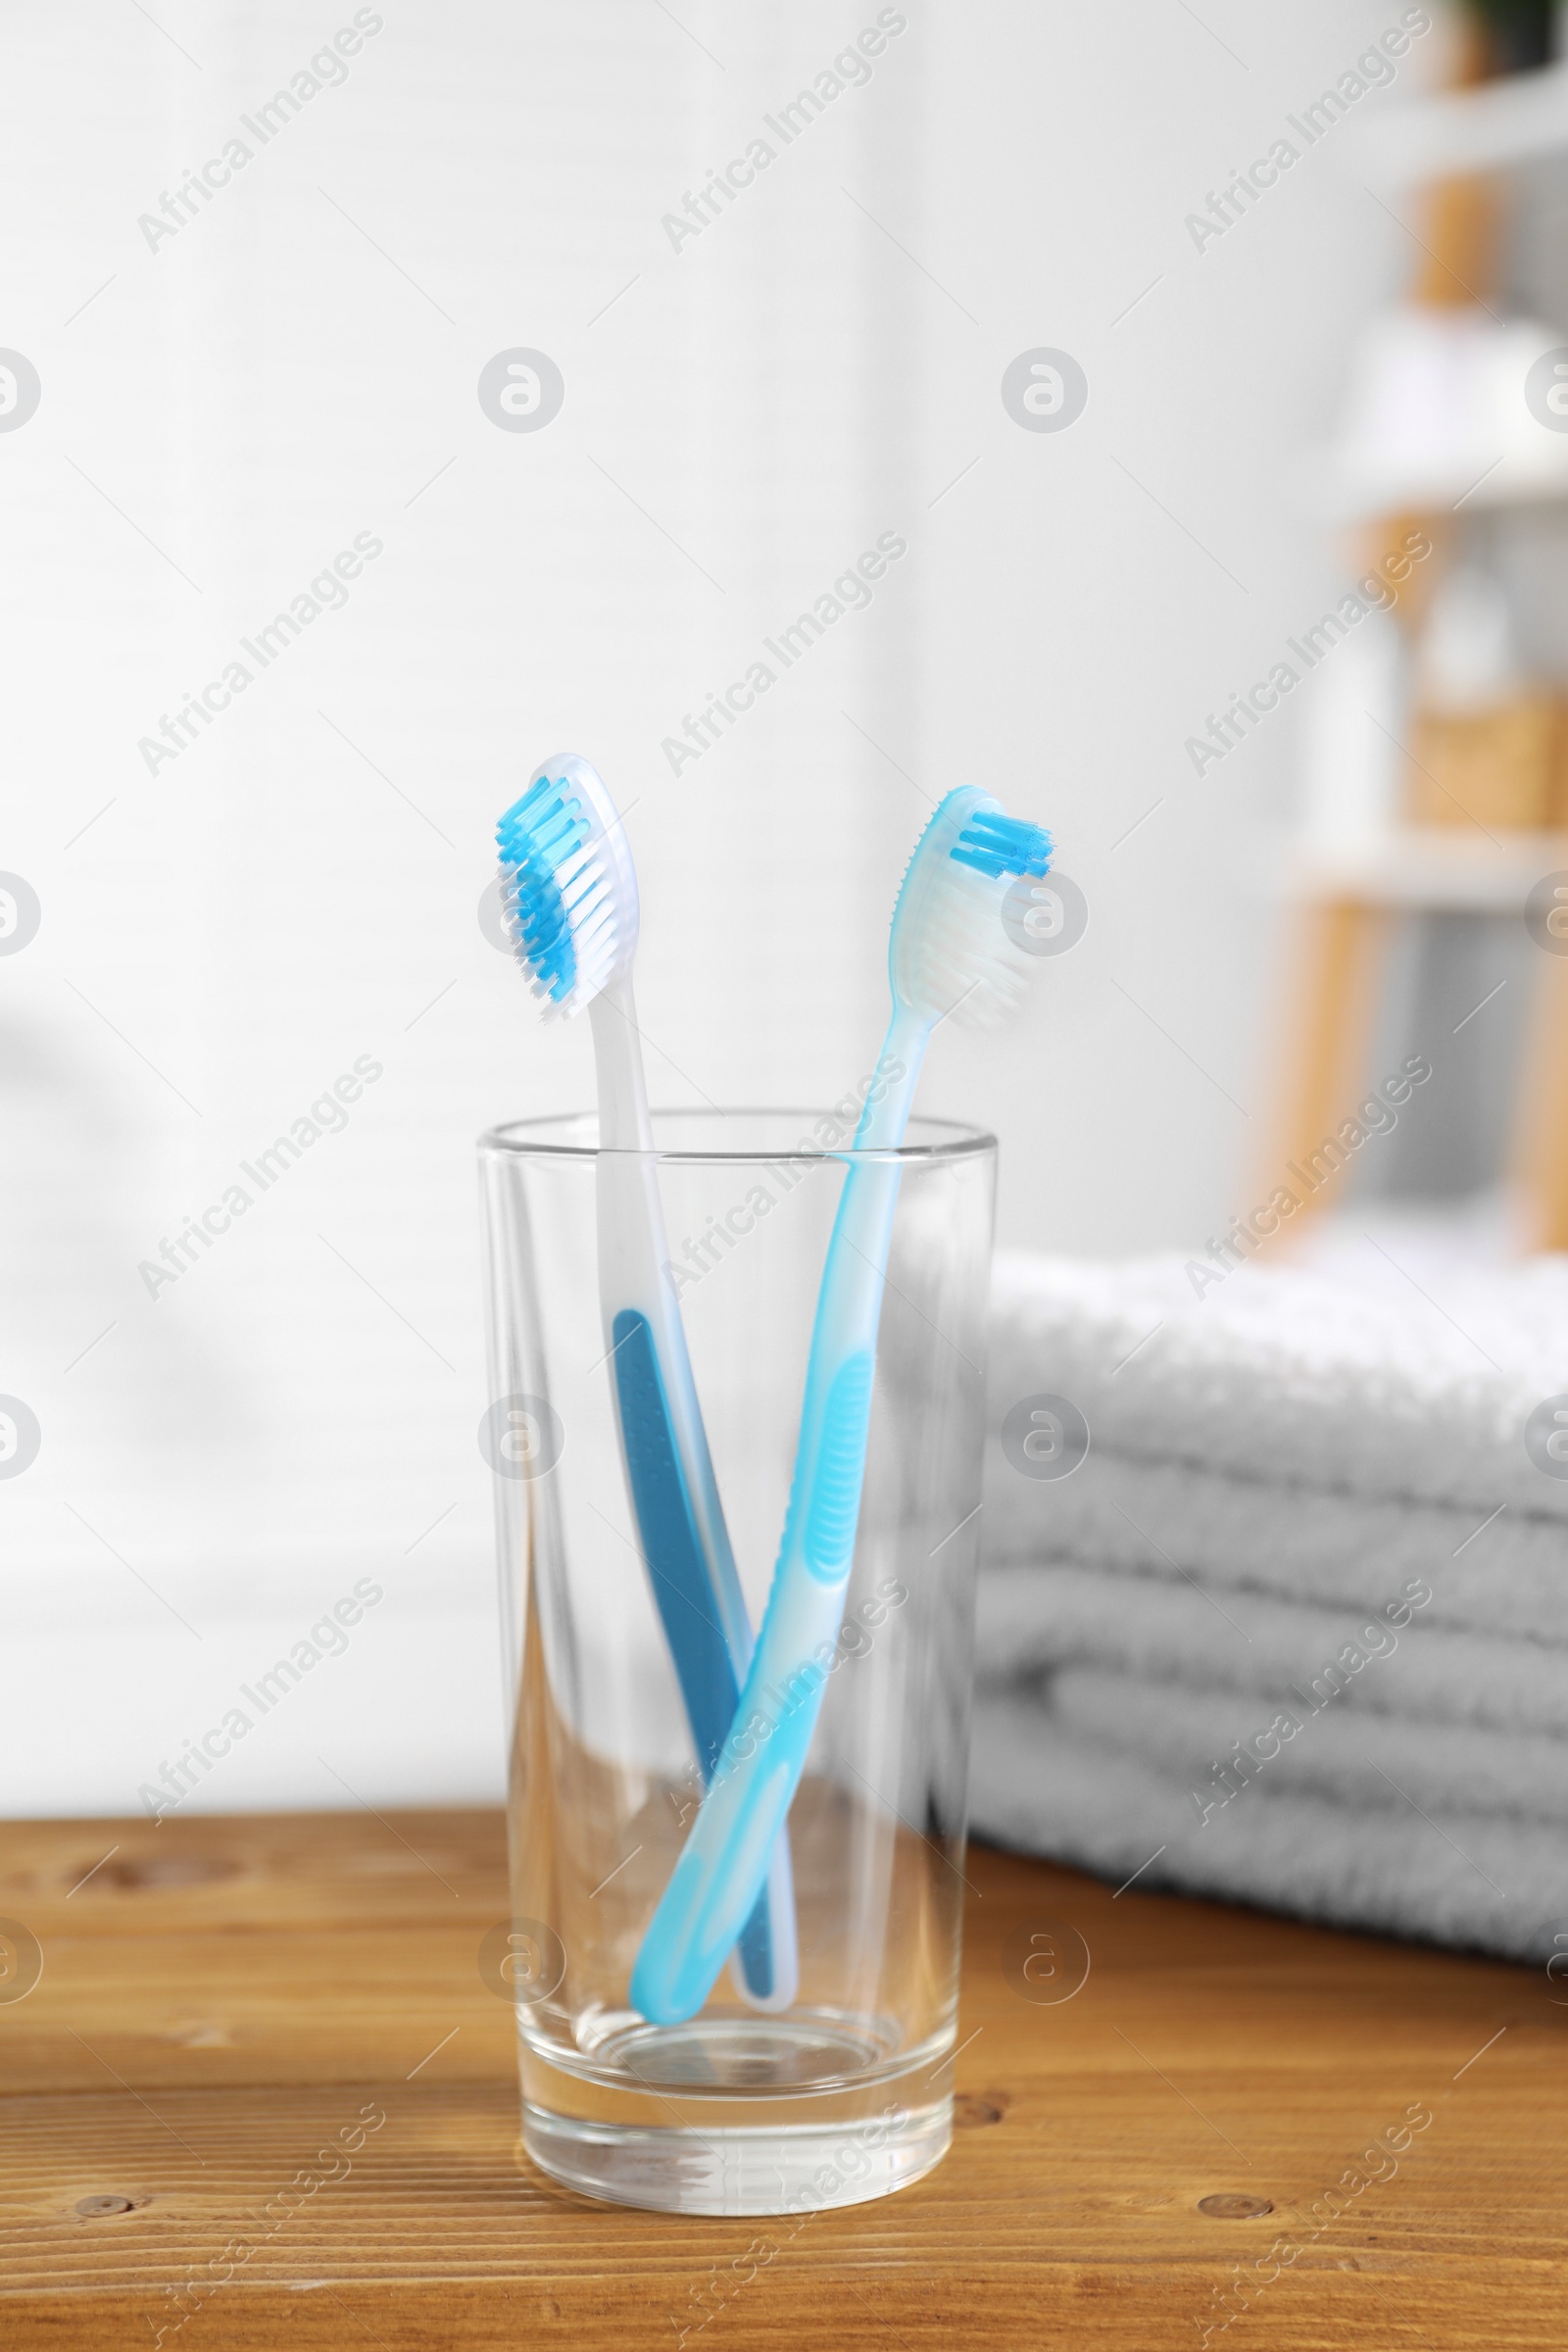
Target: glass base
pixel 753 2115
pixel 744 2169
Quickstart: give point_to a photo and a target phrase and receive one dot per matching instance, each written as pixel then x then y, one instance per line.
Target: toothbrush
pixel 950 953
pixel 569 895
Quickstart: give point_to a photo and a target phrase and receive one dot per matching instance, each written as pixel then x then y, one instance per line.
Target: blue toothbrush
pixel 950 953
pixel 569 892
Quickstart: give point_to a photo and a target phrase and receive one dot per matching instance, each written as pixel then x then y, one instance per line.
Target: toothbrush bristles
pixel 953 952
pixel 995 844
pixel 559 902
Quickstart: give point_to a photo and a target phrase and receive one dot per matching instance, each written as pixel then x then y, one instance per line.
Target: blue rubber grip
pixel 709 1685
pixel 838 1471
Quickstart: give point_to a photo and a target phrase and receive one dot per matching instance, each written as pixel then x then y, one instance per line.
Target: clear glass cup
pixel 846 2094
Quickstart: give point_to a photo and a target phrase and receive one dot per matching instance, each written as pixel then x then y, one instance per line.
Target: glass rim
pixel 532 1139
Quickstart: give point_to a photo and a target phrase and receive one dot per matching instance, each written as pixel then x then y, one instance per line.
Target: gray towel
pixel 1508 1576
pixel 1488 1884
pixel 1061 1613
pixel 1295 1379
pixel 1299 1617
pixel 1312 1745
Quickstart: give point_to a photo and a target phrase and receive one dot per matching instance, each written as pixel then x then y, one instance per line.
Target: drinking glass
pixel 846 2094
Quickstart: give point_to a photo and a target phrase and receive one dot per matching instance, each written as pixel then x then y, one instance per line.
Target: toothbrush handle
pixel 715 1883
pixel 668 1525
pixel 705 1666
pixel 675 1495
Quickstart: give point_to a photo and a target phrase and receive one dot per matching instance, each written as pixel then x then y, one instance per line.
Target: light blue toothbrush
pixel 950 953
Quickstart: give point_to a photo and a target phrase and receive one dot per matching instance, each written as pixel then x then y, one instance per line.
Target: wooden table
pixel 221 1998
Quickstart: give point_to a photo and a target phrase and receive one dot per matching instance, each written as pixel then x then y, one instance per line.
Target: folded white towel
pixel 1276 1374
pixel 1346 1753
pixel 1478 1882
pixel 1308 1524
pixel 1345 1551
pixel 1061 1614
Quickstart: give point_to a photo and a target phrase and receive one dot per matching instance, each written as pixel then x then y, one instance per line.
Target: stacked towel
pixel 1294 1629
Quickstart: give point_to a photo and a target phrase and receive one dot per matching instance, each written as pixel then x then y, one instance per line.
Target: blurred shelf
pixel 1428 865
pixel 1347 488
pixel 1482 129
pixel 1436 419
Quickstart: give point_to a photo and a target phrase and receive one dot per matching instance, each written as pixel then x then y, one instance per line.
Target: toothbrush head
pixel 950 951
pixel 569 890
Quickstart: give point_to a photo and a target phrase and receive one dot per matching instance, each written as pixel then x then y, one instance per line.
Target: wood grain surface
pixel 222 1999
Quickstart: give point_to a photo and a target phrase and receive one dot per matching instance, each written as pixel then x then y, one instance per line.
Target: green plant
pixel 1522 29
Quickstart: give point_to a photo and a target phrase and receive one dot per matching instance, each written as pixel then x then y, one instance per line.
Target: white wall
pixel 221 939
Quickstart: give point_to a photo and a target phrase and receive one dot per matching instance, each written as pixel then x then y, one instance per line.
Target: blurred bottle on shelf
pixel 1485 742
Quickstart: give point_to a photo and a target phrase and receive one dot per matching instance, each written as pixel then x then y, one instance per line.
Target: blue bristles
pixel 995 844
pixel 539 839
